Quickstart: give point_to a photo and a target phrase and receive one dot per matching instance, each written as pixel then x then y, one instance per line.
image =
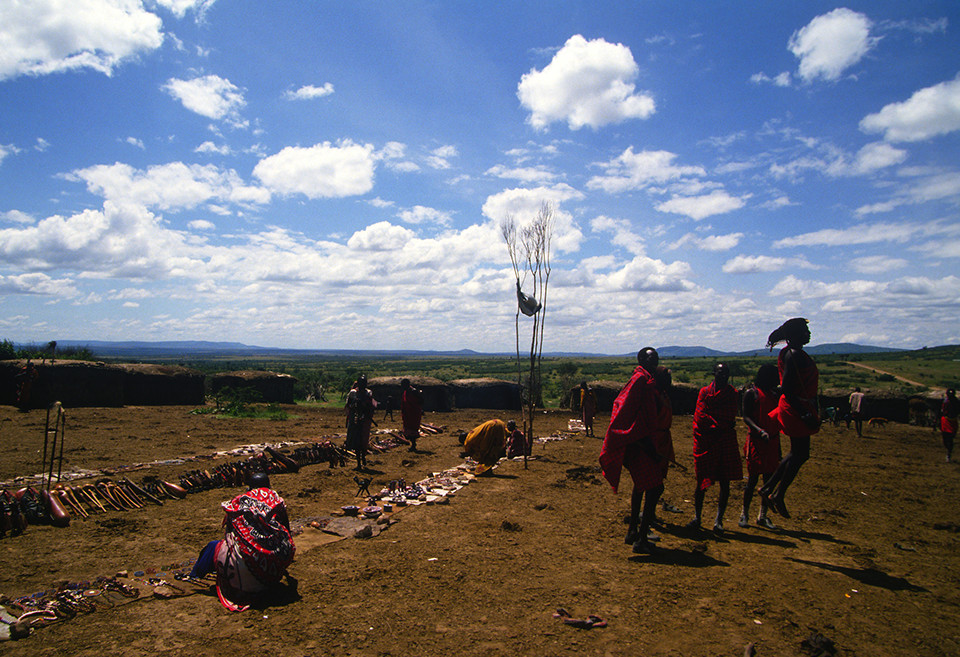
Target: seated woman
pixel 516 443
pixel 256 548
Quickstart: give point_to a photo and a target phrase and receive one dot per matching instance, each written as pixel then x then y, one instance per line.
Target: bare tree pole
pixel 508 229
pixel 536 241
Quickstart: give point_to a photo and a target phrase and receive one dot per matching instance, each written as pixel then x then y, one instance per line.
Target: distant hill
pixel 204 349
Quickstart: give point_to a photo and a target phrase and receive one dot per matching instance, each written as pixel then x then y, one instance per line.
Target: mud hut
pixel 272 387
pixel 74 383
pixel 161 385
pixel 883 404
pixel 606 392
pixel 436 394
pixel 485 393
pixel 683 396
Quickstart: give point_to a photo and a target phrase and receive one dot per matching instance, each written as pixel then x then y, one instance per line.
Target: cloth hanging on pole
pixel 528 305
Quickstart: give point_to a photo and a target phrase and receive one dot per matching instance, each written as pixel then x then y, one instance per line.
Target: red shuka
pixel 804 388
pixel 411 411
pixel 763 456
pixel 632 419
pixel 716 455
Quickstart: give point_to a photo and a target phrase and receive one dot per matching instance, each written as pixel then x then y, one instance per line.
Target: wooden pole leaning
pixel 56 432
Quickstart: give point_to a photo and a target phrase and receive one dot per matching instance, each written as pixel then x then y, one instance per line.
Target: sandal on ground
pixel 645 547
pixel 766 523
pixel 597 621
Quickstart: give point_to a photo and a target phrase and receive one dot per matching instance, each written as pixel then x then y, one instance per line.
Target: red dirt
pixel 869 558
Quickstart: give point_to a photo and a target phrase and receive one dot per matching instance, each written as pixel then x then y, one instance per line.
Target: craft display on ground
pixel 65 600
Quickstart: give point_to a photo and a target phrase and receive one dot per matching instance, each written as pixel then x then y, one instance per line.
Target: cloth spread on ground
pixel 716 455
pixel 632 419
pixel 763 456
pixel 487 442
pixel 802 387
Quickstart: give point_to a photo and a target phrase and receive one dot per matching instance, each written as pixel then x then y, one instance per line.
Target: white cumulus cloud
pixel 38 37
pixel 309 92
pixel 588 83
pixel 420 214
pixel 381 236
pixel 759 264
pixel 631 171
pixel 320 171
pixel 706 205
pixel 170 186
pixel 709 242
pixel 929 112
pixel 831 43
pixel 210 96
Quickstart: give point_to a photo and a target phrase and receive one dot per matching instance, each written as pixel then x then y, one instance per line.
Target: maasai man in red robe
pixel 662 438
pixel 588 407
pixel 796 412
pixel 716 455
pixel 762 447
pixel 949 410
pixel 411 412
pixel 629 443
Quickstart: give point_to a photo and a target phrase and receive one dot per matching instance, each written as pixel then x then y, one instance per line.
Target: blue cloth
pixel 205 562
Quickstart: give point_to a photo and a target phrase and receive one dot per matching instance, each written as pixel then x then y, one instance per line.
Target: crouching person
pixel 256 549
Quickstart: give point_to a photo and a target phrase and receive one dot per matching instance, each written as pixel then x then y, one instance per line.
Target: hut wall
pixel 73 383
pixel 274 388
pixel 485 393
pixel 889 407
pixel 159 385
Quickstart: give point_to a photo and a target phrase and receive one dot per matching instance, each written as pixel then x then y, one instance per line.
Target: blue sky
pixel 334 175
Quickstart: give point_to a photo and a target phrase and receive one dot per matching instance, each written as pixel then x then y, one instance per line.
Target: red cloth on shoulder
pixel 632 419
pixel 716 455
pixel 763 456
pixel 787 415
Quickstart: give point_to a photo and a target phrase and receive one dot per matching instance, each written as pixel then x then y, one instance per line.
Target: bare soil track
pixel 870 557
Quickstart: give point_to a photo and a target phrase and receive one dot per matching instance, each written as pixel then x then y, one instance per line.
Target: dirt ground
pixel 869 558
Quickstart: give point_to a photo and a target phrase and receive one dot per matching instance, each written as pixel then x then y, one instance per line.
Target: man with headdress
pixel 796 411
pixel 716 455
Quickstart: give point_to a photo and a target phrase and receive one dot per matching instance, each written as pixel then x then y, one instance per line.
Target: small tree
pixel 529 250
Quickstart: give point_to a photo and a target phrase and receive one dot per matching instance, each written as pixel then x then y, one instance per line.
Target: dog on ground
pixel 363 486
